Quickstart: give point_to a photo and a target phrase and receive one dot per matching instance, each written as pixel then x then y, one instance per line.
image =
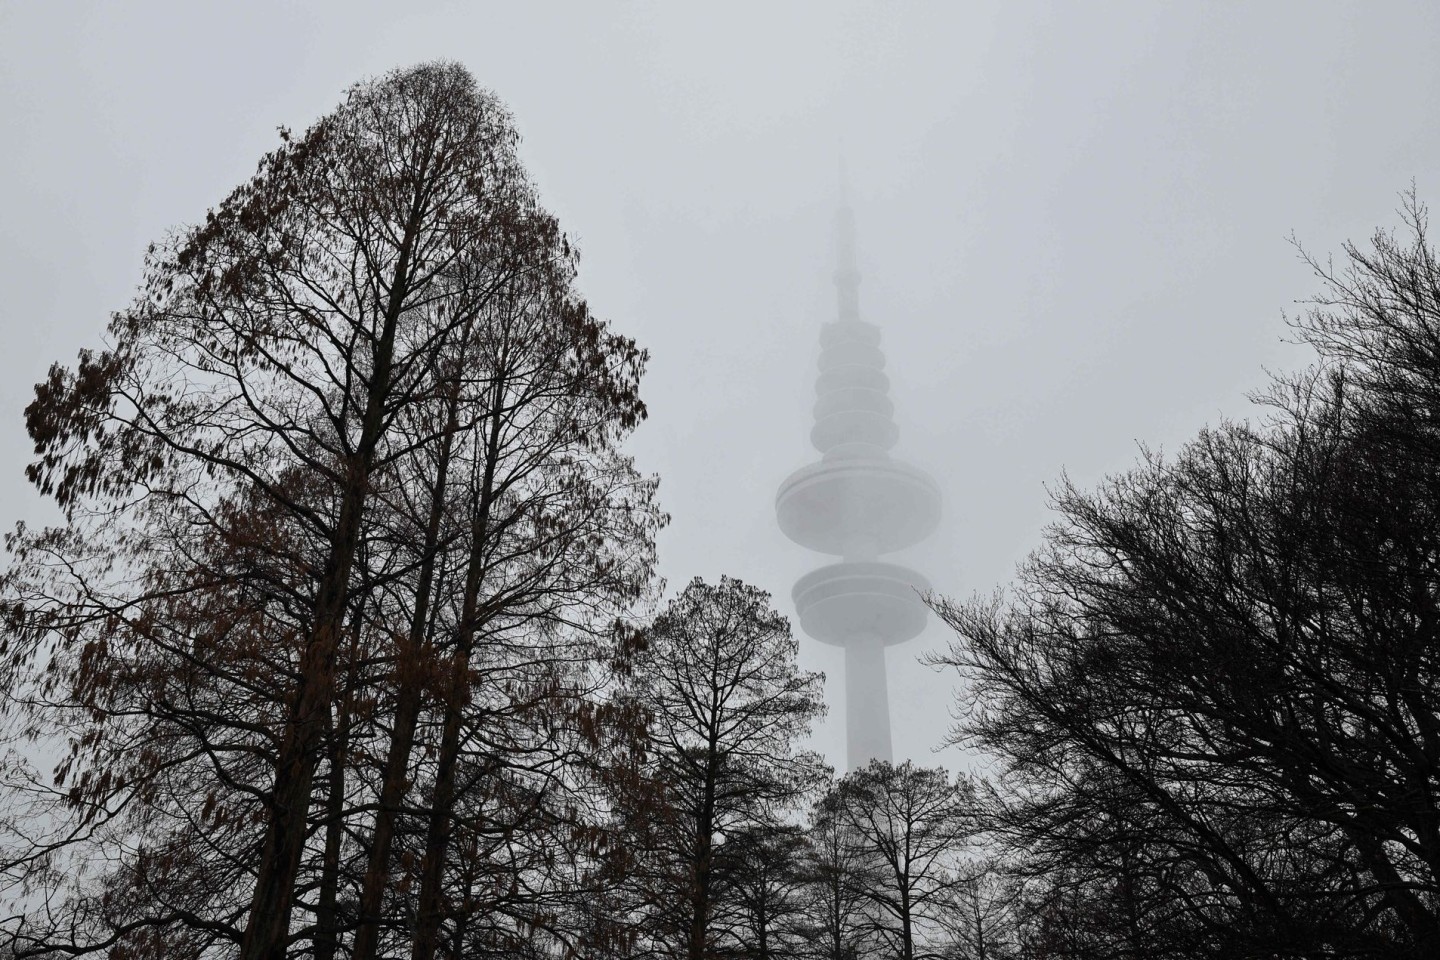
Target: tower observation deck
pixel 857 502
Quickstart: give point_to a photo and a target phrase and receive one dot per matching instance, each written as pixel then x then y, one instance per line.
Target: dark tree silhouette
pixel 1214 691
pixel 837 874
pixel 763 891
pixel 725 708
pixel 911 827
pixel 980 918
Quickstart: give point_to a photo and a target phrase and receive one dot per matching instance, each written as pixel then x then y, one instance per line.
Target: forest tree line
pixel 347 642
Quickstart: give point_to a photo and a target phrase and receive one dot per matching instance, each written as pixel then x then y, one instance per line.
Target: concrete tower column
pixel 867 703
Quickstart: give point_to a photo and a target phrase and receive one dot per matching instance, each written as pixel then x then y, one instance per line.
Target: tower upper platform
pixel 857 501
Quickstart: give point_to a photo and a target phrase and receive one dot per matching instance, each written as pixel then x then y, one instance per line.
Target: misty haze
pixel 802 480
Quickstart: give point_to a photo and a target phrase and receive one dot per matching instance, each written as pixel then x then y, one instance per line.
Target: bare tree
pixel 837 922
pixel 763 891
pixel 1214 691
pixel 911 827
pixel 725 708
pixel 980 918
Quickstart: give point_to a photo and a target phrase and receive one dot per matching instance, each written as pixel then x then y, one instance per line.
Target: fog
pixel 1072 223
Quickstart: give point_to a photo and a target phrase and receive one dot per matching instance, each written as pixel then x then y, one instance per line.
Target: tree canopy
pixel 344 483
pixel 1214 691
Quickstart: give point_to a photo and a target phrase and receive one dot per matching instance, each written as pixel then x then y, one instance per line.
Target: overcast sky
pixel 1073 219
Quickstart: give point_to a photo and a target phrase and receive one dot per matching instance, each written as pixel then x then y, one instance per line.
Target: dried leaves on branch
pixel 346 534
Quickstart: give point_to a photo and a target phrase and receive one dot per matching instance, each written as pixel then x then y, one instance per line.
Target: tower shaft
pixel 867 703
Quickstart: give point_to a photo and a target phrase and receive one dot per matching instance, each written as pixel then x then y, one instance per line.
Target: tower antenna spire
pixel 847 270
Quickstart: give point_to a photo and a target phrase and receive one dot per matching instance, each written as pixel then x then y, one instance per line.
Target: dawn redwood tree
pixel 911 828
pixel 1214 692
pixel 236 590
pixel 552 537
pixel 559 539
pixel 725 708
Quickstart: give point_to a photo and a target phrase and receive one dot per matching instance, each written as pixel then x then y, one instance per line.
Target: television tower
pixel 858 503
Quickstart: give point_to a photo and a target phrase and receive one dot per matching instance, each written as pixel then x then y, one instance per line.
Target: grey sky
pixel 1072 217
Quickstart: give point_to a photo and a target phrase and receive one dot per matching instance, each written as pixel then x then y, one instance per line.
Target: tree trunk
pixel 326 915
pixel 907 936
pixel 700 890
pixel 430 911
pixel 268 928
pixel 700 895
pixel 409 677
